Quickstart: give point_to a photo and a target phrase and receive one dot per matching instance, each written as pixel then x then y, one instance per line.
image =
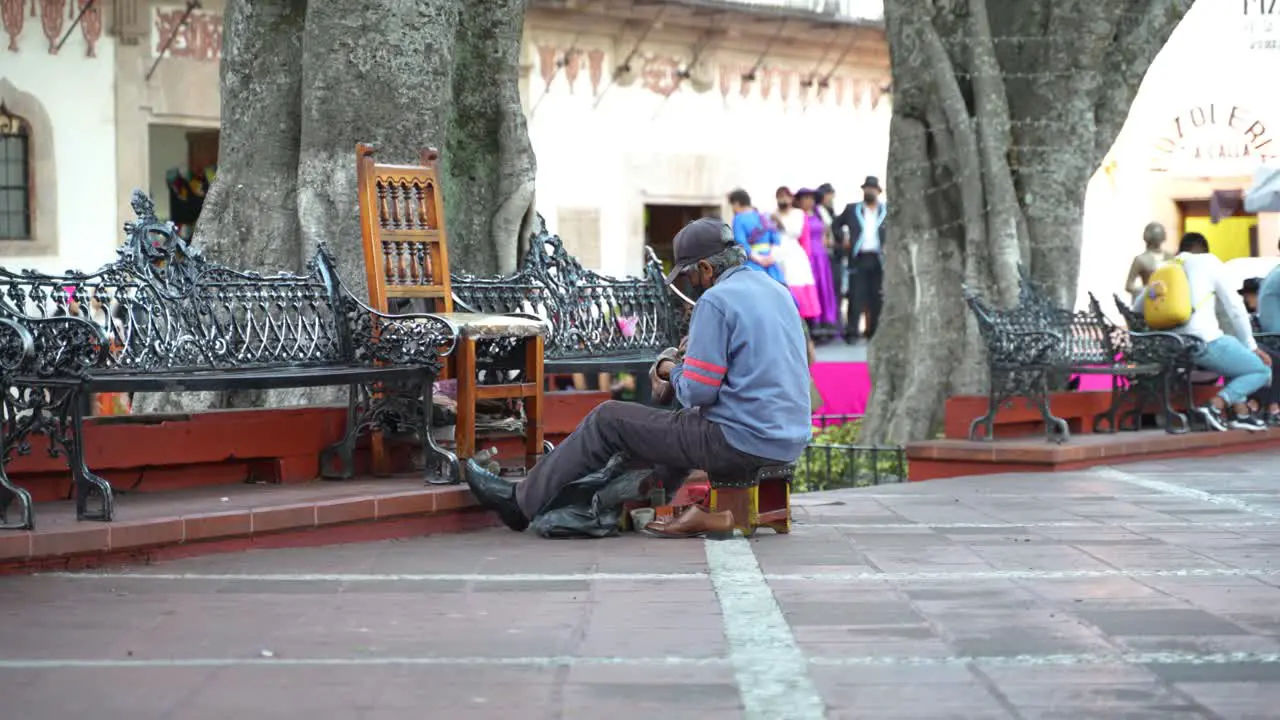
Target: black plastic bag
pixel 591 506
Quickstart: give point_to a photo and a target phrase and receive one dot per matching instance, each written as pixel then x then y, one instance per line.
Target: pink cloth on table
pixel 844 386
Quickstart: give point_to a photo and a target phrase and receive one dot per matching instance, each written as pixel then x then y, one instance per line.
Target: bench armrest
pixel 65 346
pixel 404 338
pixel 17 347
pixel 1268 341
pixel 1017 348
pixel 1164 346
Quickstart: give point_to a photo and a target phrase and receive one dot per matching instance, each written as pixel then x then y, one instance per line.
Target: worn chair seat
pixel 488 326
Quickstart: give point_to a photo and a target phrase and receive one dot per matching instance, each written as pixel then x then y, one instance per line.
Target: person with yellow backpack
pixel 1183 296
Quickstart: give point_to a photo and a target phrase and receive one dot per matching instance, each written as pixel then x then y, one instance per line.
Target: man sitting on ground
pixel 743 385
pixel 1235 357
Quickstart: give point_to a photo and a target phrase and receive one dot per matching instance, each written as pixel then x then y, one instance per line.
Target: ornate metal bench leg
pixel 1175 423
pixel 1139 389
pixel 9 494
pixel 88 484
pixel 12 434
pixel 1189 389
pixel 1055 428
pixel 450 468
pixel 1109 415
pixel 343 451
pixel 984 428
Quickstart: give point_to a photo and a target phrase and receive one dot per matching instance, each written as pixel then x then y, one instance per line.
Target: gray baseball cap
pixel 696 241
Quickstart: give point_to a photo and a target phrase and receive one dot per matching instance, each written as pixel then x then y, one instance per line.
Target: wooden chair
pixel 406 258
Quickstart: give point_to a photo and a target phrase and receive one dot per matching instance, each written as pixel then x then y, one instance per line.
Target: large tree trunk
pixel 304 80
pixel 1003 110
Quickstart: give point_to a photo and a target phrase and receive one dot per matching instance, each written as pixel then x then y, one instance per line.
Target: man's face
pixel 784 200
pixel 700 279
pixel 870 194
pixel 1251 301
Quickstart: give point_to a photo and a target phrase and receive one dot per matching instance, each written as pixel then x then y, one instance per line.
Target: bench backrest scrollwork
pixel 162 307
pixel 591 314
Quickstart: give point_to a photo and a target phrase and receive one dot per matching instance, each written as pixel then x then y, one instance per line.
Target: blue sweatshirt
pixel 747 366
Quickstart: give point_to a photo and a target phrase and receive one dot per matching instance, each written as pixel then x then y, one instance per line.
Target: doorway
pixel 183 163
pixel 662 222
pixel 1234 236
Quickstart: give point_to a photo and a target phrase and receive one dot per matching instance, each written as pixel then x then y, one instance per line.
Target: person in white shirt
pixel 1235 356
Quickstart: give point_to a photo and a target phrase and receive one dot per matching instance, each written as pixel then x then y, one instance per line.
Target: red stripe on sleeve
pixel 699 377
pixel 705 366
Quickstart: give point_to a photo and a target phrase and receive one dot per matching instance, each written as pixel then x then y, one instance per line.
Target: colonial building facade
pixel 645 115
pixel 1200 126
pixel 642 115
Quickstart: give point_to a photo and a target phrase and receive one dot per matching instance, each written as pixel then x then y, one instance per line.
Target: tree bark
pixel 304 80
pixel 1003 110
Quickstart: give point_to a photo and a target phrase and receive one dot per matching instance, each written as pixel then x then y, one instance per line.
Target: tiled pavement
pixel 1142 591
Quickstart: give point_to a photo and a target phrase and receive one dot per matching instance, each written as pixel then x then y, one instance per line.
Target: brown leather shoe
pixel 693 523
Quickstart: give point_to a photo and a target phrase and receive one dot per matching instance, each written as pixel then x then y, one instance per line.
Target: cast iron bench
pixel 1188 374
pixel 598 323
pixel 1035 345
pixel 162 318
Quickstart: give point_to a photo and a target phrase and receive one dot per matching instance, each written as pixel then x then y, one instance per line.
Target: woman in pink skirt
pixel 814 242
pixel 792 256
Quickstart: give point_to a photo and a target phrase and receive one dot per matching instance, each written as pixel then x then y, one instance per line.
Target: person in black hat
pixel 1266 402
pixel 742 383
pixel 864 224
pixel 1249 293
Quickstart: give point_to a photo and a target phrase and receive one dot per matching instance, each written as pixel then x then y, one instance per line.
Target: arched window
pixel 15 176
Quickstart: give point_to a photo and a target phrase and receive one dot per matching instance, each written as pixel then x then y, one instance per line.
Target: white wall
pixel 1207 63
pixel 78 94
pixel 637 147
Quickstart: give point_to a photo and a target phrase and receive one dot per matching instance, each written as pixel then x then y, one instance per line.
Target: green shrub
pixel 834 459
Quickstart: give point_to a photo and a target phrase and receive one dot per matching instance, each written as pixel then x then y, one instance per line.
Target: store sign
pixel 1214 134
pixel 1262 23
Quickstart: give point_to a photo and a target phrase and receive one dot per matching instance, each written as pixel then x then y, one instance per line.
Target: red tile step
pixel 1016 419
pixel 179 523
pixel 935 459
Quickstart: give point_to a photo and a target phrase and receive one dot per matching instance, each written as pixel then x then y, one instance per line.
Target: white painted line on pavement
pixel 1045 524
pixel 914 496
pixel 835 576
pixel 1183 491
pixel 969 576
pixel 771 671
pixel 1152 658
pixel 381 577
pixel 540 662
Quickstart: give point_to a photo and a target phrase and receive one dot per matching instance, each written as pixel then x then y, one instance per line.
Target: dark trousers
pixel 866 277
pixel 674 443
pixel 1271 393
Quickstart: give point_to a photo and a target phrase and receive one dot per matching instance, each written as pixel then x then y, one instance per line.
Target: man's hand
pixel 684 345
pixel 1264 356
pixel 663 369
pixel 762 260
